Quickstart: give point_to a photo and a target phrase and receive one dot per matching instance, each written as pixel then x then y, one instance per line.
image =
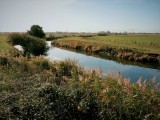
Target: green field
pixel 4 46
pixel 149 43
pixel 134 47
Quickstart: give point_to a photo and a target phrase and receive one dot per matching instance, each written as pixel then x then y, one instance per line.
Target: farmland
pixel 136 47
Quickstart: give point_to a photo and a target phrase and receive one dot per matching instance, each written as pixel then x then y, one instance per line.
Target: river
pixel 133 72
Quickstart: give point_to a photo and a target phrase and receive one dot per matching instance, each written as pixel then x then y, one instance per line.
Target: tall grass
pixel 4 46
pixel 138 47
pixel 145 43
pixel 37 89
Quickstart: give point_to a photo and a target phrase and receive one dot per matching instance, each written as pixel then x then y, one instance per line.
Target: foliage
pixel 31 45
pixel 103 33
pixel 51 37
pixel 3 61
pixel 37 89
pixel 36 31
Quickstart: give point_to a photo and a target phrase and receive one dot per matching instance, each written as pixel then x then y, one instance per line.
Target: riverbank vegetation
pixel 30 44
pixel 34 88
pixel 133 47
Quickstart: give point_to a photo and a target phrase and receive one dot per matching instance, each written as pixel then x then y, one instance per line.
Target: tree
pixel 36 31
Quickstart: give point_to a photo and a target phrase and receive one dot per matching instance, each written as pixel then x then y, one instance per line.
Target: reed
pixel 34 88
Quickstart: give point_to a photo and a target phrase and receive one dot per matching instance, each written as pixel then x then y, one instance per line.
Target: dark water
pixel 107 66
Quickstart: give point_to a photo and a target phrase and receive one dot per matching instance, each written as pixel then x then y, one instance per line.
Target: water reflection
pixel 108 66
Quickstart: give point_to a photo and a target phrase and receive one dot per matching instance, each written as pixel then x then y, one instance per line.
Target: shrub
pixel 3 61
pixel 41 64
pixel 31 45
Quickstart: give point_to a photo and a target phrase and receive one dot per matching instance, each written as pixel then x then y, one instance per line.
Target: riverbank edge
pixel 32 87
pixel 110 51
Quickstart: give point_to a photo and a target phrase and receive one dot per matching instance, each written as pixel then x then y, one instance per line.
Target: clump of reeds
pixel 34 88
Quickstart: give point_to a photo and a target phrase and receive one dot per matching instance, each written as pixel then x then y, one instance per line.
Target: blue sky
pixel 80 15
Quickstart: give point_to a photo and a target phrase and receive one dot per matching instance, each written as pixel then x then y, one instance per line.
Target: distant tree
pixel 103 33
pixel 36 31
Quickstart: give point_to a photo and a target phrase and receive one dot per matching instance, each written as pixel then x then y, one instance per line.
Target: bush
pixel 42 64
pixel 15 52
pixel 36 31
pixel 3 61
pixel 31 45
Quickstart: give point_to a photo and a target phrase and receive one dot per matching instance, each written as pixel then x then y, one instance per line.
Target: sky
pixel 80 15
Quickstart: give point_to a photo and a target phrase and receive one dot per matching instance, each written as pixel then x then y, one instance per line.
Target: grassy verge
pixel 134 47
pixel 4 46
pixel 37 89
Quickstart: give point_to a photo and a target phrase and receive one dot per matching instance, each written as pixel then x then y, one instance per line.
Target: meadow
pixel 4 46
pixel 135 47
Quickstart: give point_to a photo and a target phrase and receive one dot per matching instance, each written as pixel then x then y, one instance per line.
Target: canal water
pixel 132 72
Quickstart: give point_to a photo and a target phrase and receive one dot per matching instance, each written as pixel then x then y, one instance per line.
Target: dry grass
pixel 134 47
pixel 35 88
pixel 149 43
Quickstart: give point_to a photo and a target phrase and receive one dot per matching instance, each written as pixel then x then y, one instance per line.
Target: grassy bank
pixel 4 46
pixel 37 89
pixel 134 47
